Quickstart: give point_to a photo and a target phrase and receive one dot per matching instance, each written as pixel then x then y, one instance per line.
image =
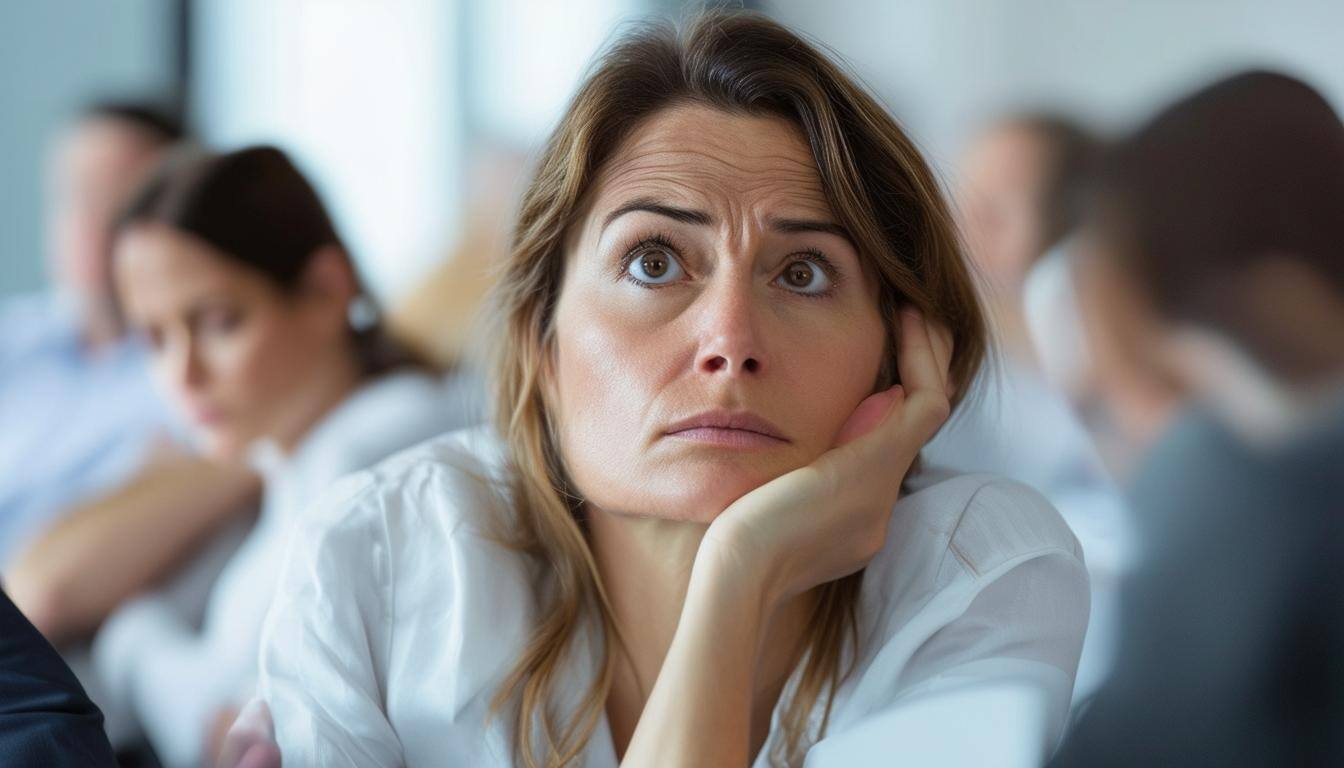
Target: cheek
pixel 608 370
pixel 829 369
pixel 257 366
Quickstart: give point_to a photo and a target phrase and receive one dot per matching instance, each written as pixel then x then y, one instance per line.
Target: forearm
pixel 107 550
pixel 699 712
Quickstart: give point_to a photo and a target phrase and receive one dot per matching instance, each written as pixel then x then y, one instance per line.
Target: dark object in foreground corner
pixel 46 720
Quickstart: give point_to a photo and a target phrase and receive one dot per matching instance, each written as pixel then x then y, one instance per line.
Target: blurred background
pixel 417 121
pixel 386 104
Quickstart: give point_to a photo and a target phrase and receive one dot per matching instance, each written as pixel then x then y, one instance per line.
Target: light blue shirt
pixel 73 423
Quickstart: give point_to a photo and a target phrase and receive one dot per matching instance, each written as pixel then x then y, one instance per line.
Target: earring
pixel 362 314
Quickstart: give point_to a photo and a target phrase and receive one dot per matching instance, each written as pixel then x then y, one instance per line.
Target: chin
pixel 220 447
pixel 693 495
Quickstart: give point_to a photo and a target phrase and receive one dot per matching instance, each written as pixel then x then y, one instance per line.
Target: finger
pixel 261 756
pixel 915 359
pixel 253 728
pixel 941 341
pixel 869 413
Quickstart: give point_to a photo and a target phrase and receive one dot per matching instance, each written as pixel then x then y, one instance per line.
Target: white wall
pixel 56 55
pixel 377 98
pixel 363 94
pixel 945 66
pixel 526 57
pixel 380 101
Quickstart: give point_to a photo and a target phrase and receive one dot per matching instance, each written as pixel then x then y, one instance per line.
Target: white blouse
pixel 399 614
pixel 173 677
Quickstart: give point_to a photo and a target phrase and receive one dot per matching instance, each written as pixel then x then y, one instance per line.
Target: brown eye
pixel 799 274
pixel 655 265
pixel 804 276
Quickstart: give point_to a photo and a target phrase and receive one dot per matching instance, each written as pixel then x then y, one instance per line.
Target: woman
pixel 719 276
pixel 232 269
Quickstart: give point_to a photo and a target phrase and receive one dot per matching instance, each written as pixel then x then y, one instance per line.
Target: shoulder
pixel 405 538
pixel 386 416
pixel 454 479
pixel 980 579
pixel 31 324
pixel 401 611
pixel 980 521
pixel 952 535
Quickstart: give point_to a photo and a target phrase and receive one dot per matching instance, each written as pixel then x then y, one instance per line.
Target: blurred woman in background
pixel 734 312
pixel 263 334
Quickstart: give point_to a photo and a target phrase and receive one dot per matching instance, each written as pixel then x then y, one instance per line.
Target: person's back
pixel 1212 281
pixel 1233 628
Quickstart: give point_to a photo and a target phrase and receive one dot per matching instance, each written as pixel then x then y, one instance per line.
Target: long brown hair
pixel 885 196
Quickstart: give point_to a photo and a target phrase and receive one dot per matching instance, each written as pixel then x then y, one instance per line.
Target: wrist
pixel 727 579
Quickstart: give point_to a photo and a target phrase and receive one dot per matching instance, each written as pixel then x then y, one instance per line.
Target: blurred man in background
pixel 73 389
pixel 1019 193
pixel 1210 276
pixel 97 497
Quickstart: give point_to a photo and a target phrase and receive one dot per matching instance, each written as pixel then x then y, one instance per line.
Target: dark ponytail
pixel 255 207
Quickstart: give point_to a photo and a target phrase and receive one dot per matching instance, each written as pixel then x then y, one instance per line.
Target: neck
pixel 645 566
pixel 99 326
pixel 328 391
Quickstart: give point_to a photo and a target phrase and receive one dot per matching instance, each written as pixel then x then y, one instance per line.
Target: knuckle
pixel 934 408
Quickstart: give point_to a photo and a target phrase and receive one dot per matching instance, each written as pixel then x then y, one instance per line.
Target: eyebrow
pixel 691 216
pixel 794 226
pixel 650 205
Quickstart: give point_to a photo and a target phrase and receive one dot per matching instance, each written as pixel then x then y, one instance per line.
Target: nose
pixel 730 339
pixel 181 362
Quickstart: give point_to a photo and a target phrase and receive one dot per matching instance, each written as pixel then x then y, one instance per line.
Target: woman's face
pixel 242 359
pixel 715 327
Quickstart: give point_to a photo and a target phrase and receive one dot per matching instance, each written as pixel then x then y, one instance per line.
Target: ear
pixel 328 281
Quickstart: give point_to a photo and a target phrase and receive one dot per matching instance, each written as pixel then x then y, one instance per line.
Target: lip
pixel 206 416
pixel 733 429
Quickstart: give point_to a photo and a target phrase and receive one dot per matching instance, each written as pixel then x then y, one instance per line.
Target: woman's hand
pixel 249 741
pixel 828 519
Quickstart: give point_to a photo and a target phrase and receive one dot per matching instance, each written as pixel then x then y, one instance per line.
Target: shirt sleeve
pixel 328 634
pixel 991 687
pixel 45 717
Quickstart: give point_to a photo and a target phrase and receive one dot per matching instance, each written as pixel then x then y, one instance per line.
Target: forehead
pixel 700 155
pixel 159 268
pixel 101 141
pixel 1005 156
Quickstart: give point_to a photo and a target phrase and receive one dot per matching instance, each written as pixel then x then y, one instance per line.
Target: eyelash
pixel 816 257
pixel 635 251
pixel 661 240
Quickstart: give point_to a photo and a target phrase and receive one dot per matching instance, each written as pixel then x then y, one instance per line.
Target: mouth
pixel 729 429
pixel 206 416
